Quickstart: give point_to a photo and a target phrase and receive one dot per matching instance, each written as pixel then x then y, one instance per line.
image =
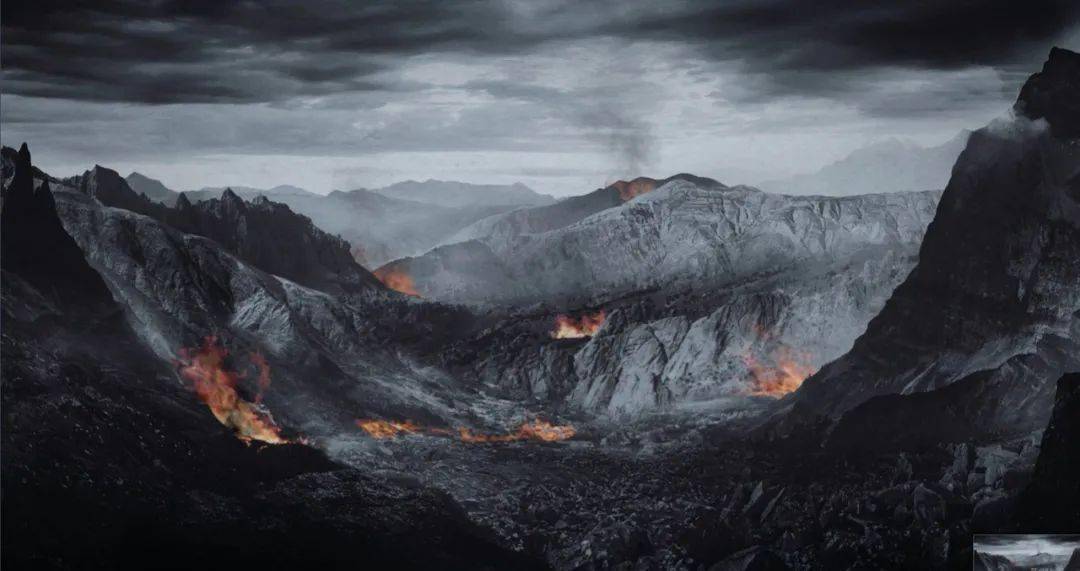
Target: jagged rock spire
pixel 36 248
pixel 1054 94
pixel 182 202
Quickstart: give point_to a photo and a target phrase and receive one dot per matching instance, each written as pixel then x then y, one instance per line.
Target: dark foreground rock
pixel 110 463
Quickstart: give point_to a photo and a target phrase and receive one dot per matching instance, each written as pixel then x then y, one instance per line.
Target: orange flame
pixel 204 368
pixel 387 429
pixel 535 430
pixel 585 325
pixel 629 190
pixel 397 280
pixel 784 371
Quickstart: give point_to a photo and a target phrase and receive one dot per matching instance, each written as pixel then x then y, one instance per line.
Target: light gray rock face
pixel 694 349
pixel 756 292
pixel 682 233
pixel 331 358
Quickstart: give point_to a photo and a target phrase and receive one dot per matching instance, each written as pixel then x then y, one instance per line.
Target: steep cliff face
pixel 38 253
pixel 97 428
pixel 1051 502
pixel 684 232
pixel 686 347
pixel 177 288
pixel 272 237
pixel 264 233
pixel 994 296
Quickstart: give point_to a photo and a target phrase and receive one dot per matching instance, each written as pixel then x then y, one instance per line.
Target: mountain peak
pixel 182 202
pixel 1054 94
pixel 229 196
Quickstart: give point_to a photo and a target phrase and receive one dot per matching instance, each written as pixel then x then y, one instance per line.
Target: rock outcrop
pixel 685 232
pixel 153 189
pixel 1051 503
pixel 992 305
pixel 39 253
pixel 264 233
pixel 97 429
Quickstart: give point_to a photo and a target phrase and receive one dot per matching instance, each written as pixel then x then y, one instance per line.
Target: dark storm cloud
pixel 834 48
pixel 183 52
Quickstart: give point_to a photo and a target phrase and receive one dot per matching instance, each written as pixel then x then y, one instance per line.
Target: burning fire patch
pixel 386 428
pixel 780 373
pixel 397 280
pixel 629 190
pixel 538 430
pixel 585 325
pixel 205 370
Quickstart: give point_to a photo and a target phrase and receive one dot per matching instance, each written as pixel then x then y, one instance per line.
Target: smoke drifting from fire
pixel 538 430
pixel 397 279
pixel 629 139
pixel 585 325
pixel 205 370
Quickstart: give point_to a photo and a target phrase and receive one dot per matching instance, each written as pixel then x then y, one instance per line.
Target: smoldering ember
pixel 430 285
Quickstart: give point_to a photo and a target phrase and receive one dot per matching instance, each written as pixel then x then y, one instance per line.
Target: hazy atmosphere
pixel 555 286
pixel 561 96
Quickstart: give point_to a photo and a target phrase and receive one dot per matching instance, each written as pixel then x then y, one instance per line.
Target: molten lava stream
pixel 535 430
pixel 585 325
pixel 215 385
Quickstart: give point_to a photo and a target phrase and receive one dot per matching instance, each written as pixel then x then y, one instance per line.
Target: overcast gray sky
pixel 564 96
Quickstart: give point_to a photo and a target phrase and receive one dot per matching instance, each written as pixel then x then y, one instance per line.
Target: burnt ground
pixel 709 496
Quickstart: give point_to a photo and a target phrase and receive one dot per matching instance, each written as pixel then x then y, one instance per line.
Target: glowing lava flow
pixel 785 370
pixel 585 325
pixel 386 428
pixel 397 280
pixel 535 430
pixel 204 368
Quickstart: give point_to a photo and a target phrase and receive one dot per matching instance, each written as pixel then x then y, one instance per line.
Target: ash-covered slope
pixel 709 292
pixel 97 429
pixel 334 358
pixel 264 233
pixel 686 347
pixel 992 305
pixel 683 233
pixel 503 227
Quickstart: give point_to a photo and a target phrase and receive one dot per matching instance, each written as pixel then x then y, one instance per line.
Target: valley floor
pixel 697 496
